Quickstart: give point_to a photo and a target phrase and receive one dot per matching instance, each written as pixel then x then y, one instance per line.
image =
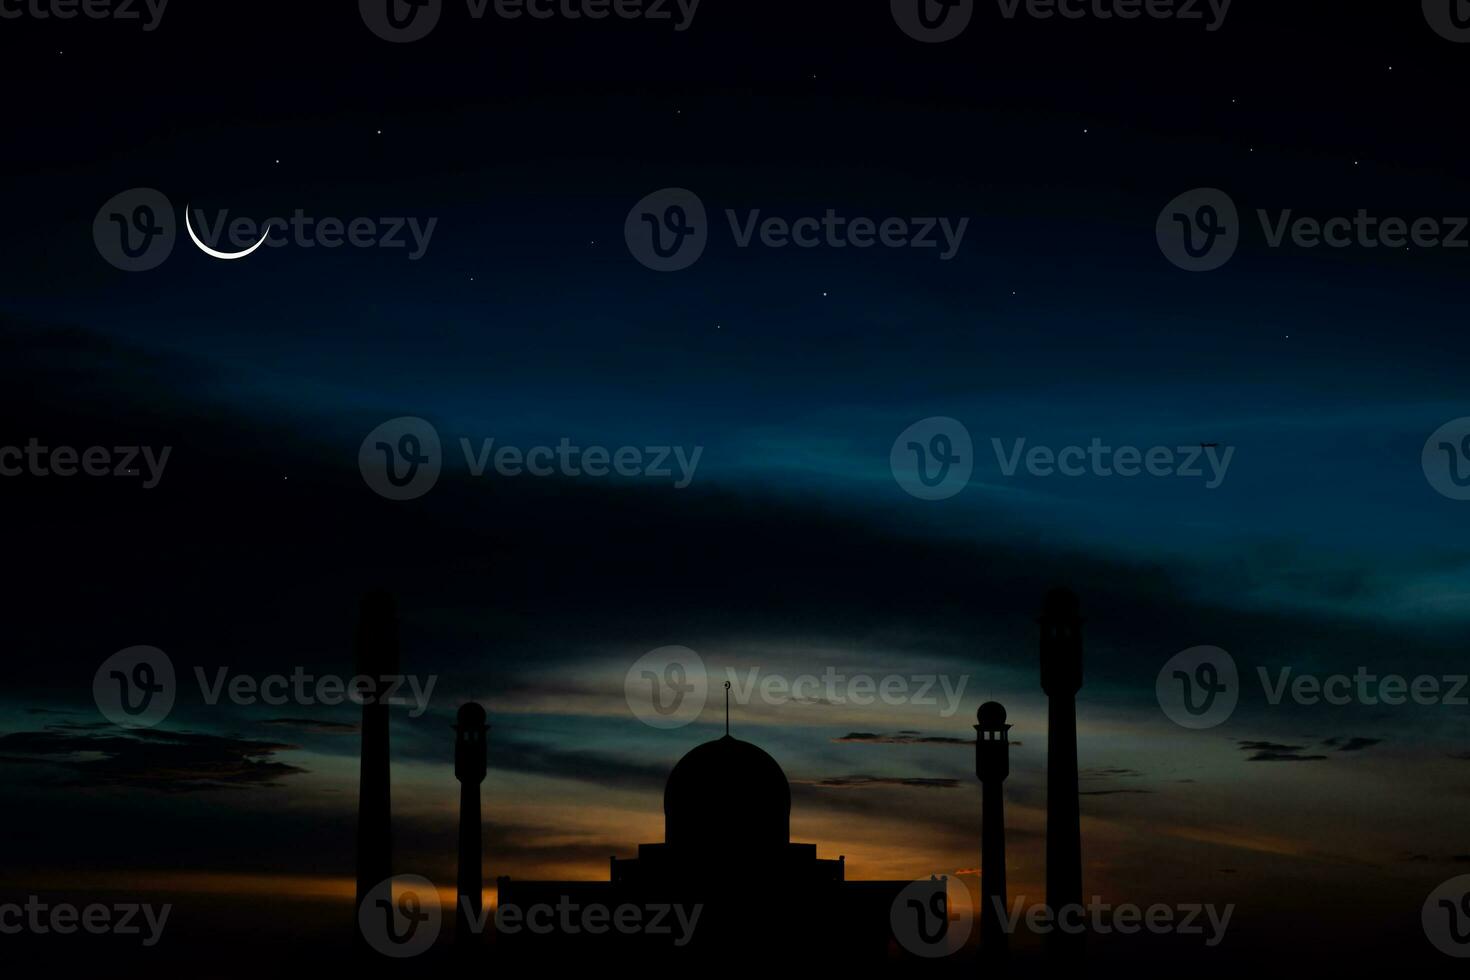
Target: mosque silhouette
pixel 727 845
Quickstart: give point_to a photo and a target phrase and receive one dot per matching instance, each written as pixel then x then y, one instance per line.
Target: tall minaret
pixel 469 769
pixel 1061 679
pixel 992 766
pixel 377 656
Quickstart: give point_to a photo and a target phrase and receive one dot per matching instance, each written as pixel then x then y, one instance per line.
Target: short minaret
pixel 377 657
pixel 992 766
pixel 469 769
pixel 1061 679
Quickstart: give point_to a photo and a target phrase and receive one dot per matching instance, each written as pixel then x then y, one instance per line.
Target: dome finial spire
pixel 727 707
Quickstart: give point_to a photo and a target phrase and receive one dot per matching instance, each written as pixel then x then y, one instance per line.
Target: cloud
pixel 1355 744
pixel 1276 752
pixel 904 738
pixel 314 726
pixel 168 762
pixel 1437 859
pixel 1112 792
pixel 864 781
pixel 599 768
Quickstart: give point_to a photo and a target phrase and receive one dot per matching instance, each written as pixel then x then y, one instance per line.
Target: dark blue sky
pixel 528 320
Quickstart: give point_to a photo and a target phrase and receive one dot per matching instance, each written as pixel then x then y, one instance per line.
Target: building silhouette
pixel 992 766
pixel 469 769
pixel 727 846
pixel 377 657
pixel 1061 679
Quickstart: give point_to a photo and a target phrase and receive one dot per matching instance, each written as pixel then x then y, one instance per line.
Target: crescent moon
pixel 227 256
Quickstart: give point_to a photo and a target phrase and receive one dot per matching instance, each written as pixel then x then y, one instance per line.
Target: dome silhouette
pixel 471 715
pixel 991 716
pixel 727 795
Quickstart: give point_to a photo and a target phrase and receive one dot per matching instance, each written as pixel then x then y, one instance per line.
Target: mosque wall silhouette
pixel 727 837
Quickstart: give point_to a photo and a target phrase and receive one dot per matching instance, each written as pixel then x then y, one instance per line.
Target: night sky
pixel 528 320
